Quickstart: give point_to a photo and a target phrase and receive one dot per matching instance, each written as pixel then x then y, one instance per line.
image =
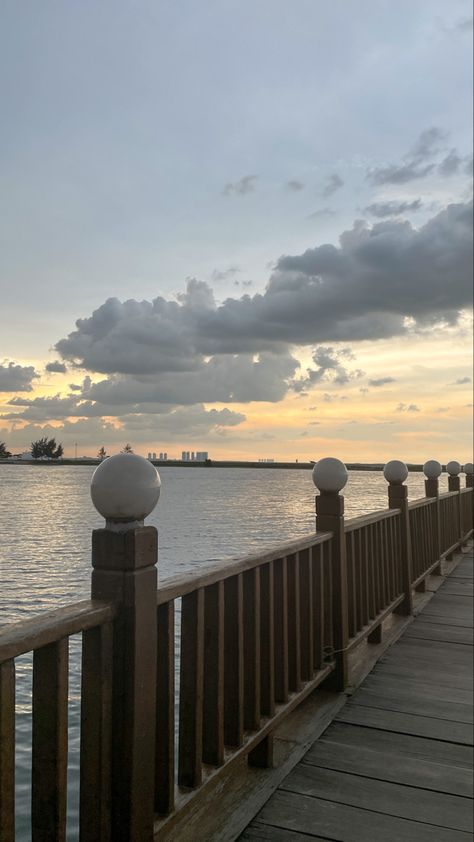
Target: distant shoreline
pixel 211 463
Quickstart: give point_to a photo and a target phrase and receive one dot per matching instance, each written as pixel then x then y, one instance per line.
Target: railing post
pixel 396 472
pixel 469 471
pixel 432 471
pixel 330 477
pixel 454 484
pixel 125 489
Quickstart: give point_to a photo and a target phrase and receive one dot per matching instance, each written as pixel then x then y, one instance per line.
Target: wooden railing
pixel 181 682
pixel 47 636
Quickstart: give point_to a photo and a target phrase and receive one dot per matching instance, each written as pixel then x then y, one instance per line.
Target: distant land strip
pixel 210 463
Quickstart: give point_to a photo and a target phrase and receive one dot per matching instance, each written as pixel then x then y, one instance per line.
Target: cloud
pixel 225 274
pixel 240 188
pixel 333 183
pixel 461 381
pixel 16 378
pixel 383 209
pixel 416 164
pixel 381 381
pixel 450 164
pixel 56 367
pixel 322 213
pixel 464 25
pixel 366 288
pixel 329 362
pixel 294 185
pixel 410 407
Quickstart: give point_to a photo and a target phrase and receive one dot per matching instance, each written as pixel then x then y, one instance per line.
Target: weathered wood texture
pixel 397 762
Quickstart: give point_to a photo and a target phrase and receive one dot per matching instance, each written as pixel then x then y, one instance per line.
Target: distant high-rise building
pixel 202 455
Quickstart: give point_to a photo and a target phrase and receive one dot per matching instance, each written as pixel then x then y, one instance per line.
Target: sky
pixel 240 227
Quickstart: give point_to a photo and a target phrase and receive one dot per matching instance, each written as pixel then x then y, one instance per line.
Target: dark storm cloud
pixel 416 164
pixel 384 209
pixel 334 182
pixel 240 188
pixel 381 381
pixel 16 378
pixel 56 367
pixel 363 289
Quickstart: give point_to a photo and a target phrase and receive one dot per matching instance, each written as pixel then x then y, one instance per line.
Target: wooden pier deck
pixel 396 762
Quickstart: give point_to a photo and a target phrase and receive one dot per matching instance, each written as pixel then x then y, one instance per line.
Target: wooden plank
pixel 392 799
pixel 307 814
pixel 251 627
pixel 306 615
pixel 49 742
pixel 191 690
pixel 405 745
pixel 446 619
pixel 165 710
pixel 294 623
pixel 96 734
pixel 7 751
pixel 281 629
pixel 448 634
pixel 258 832
pixel 404 701
pixel 233 662
pixel 390 766
pixel 267 642
pixel 432 689
pixel 213 680
pixel 422 726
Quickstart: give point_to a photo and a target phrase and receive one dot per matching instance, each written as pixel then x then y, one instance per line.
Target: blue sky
pixel 147 143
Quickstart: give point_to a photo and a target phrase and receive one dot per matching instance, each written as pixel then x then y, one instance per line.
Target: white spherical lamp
pixel 469 468
pixel 395 472
pixel 125 488
pixel 330 474
pixel 432 469
pixel 453 468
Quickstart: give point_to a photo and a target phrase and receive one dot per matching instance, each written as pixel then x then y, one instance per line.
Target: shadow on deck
pixel 396 761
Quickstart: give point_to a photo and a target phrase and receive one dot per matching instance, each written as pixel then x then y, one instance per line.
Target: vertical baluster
pixel 49 755
pixel 267 647
pixel 294 623
pixel 318 575
pixel 7 751
pixel 251 609
pixel 96 734
pixel 281 629
pixel 213 717
pixel 233 666
pixel 357 579
pixel 328 596
pixel 388 557
pixel 363 564
pixel 350 587
pixel 372 590
pixel 191 689
pixel 165 700
pixel 306 613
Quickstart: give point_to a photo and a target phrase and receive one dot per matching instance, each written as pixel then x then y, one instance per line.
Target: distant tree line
pixel 46 448
pixel 4 453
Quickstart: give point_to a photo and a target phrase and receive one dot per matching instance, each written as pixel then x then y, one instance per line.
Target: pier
pixel 316 691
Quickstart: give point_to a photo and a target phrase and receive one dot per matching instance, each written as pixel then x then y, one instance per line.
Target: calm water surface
pixel 46 519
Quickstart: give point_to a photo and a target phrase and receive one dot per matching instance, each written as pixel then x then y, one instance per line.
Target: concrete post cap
pixel 432 469
pixel 395 472
pixel 330 474
pixel 125 488
pixel 453 468
pixel 469 468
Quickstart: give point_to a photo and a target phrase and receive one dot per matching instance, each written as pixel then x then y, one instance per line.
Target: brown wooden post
pixel 454 484
pixel 125 488
pixel 395 473
pixel 432 470
pixel 330 477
